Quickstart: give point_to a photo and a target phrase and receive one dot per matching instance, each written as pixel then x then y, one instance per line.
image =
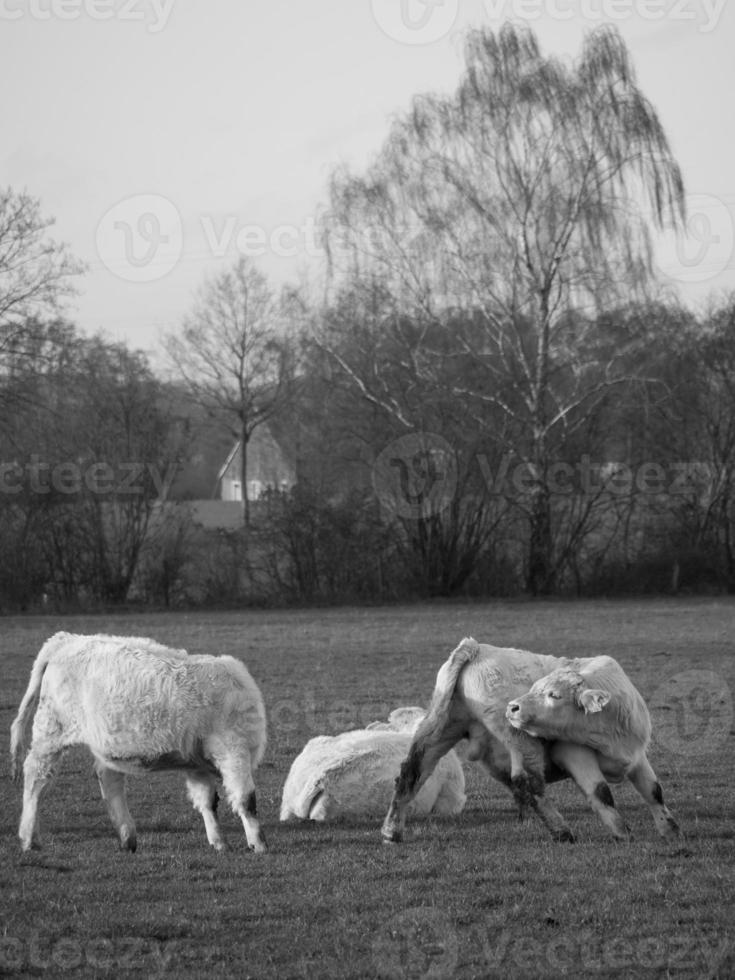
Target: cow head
pixel 554 705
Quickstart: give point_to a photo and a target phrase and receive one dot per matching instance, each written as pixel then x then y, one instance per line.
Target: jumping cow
pixel 472 691
pixel 141 707
pixel 600 729
pixel 351 775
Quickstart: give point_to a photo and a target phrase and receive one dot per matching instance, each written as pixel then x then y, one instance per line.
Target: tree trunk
pixel 540 550
pixel 244 437
pixel 541 576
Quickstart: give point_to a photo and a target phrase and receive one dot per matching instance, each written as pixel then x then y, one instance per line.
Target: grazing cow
pixel 141 707
pixel 472 691
pixel 352 774
pixel 600 729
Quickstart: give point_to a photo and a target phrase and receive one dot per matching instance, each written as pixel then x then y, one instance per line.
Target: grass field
pixel 480 895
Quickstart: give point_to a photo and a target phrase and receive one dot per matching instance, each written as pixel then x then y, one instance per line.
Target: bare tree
pixel 376 356
pixel 35 271
pixel 91 443
pixel 702 426
pixel 527 195
pixel 234 354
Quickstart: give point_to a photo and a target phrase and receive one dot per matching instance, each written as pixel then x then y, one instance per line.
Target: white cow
pixel 600 729
pixel 467 710
pixel 141 707
pixel 399 720
pixel 353 774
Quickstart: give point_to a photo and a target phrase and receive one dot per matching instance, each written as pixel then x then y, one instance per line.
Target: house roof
pixel 227 463
pixel 266 460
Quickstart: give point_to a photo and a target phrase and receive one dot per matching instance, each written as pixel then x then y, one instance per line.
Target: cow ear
pixel 592 700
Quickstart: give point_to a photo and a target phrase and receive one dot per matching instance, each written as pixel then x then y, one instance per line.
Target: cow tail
pixel 446 681
pixel 19 728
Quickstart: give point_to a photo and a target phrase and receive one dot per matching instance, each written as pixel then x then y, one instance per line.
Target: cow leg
pixel 248 812
pixel 528 785
pixel 237 779
pixel 112 787
pixel 552 819
pixel 202 793
pixel 644 779
pixel 38 770
pixel 581 764
pixel 47 745
pixel 424 753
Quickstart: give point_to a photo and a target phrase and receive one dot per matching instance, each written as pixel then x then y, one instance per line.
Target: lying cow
pixel 141 707
pixel 351 775
pixel 600 730
pixel 472 691
pixel 399 720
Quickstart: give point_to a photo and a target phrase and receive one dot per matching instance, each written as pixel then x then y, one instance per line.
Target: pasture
pixel 479 895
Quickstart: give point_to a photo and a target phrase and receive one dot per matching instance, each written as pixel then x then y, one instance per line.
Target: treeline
pixel 88 443
pixel 637 481
pixel 493 396
pixel 640 486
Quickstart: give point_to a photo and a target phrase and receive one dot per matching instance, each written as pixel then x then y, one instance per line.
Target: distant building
pixel 267 469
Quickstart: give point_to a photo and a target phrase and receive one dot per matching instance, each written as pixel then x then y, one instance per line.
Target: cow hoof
pixel 672 829
pixel 625 838
pixel 566 837
pixel 392 837
pixel 128 841
pixel 259 847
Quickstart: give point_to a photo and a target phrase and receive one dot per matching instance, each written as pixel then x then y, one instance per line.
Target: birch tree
pixel 530 194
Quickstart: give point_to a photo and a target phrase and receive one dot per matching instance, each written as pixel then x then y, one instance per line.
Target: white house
pixel 267 468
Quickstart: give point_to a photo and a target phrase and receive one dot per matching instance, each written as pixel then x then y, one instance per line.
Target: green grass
pixel 481 895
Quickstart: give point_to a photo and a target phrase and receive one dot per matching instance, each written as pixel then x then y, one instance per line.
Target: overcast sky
pixel 168 136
